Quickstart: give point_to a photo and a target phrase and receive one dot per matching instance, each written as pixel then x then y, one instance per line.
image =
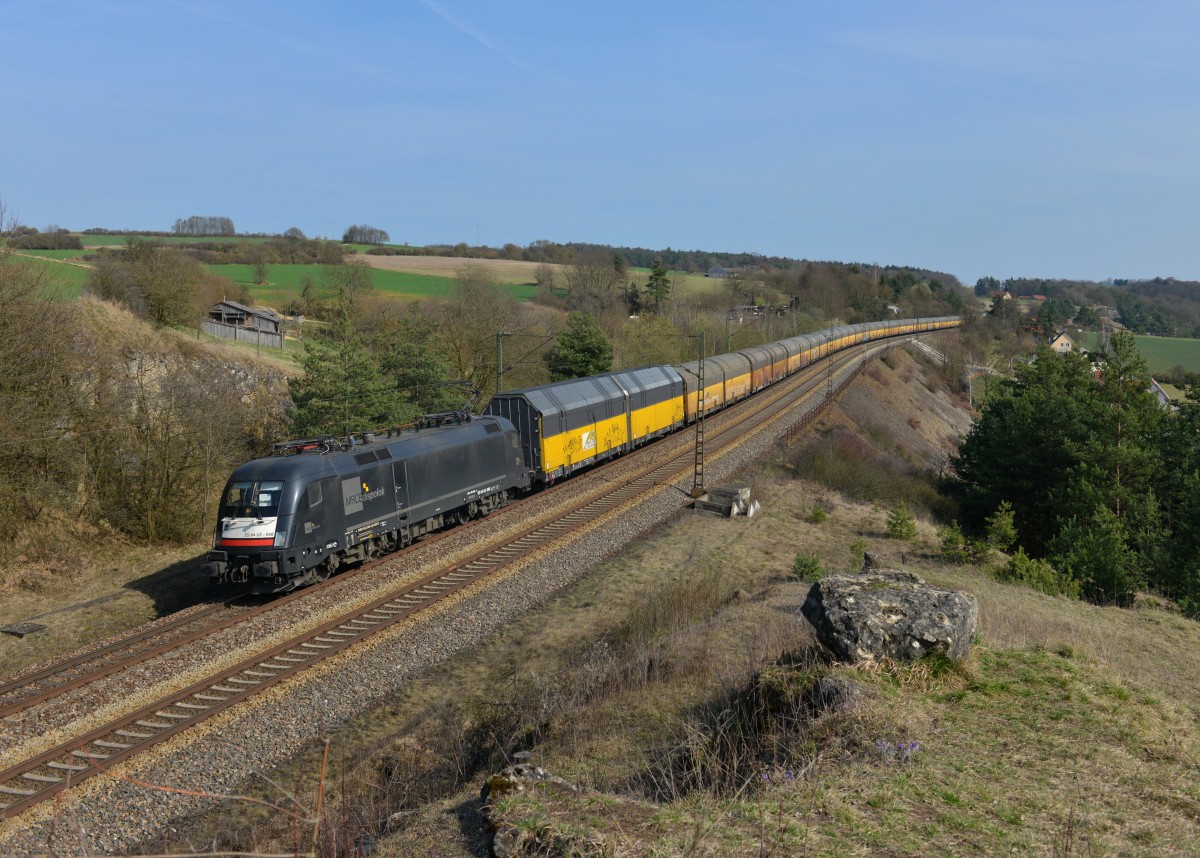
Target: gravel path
pixel 112 815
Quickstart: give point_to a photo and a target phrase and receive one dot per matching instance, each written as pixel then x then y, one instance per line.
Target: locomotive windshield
pixel 252 500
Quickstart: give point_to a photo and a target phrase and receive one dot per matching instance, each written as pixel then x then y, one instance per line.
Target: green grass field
pixel 1161 353
pixel 285 282
pixel 1165 353
pixel 115 238
pixel 683 283
pixel 65 281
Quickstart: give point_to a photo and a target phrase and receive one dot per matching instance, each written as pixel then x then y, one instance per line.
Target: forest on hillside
pixel 1162 306
pixel 1090 476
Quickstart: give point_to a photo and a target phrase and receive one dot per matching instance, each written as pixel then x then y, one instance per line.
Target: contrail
pixel 482 38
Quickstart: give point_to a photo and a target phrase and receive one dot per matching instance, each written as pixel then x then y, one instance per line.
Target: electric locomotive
pixel 295 517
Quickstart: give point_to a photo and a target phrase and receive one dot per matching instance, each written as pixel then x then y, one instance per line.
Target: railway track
pixel 56 769
pixel 36 687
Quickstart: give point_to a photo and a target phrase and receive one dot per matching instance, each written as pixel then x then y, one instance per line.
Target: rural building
pixel 254 318
pixel 235 321
pixel 1168 395
pixel 1063 343
pixel 720 272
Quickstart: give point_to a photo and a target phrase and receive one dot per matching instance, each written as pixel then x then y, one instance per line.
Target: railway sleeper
pixel 42 779
pixel 130 734
pixel 67 767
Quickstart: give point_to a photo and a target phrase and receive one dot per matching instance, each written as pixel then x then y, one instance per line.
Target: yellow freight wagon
pixel 569 424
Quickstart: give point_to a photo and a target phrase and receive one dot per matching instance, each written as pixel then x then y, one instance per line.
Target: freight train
pixel 315 505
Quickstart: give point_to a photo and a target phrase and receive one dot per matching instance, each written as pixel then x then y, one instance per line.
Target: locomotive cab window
pixel 314 495
pixel 252 500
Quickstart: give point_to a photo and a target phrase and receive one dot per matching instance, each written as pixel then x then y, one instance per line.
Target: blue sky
pixel 1054 139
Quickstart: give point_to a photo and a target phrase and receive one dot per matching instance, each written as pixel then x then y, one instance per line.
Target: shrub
pixel 1038 574
pixel 807 567
pixel 954 544
pixel 900 522
pixel 857 549
pixel 818 515
pixel 958 548
pixel 1001 531
pixel 58 240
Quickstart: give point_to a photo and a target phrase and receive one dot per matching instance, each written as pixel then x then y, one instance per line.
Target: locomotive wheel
pixel 324 569
pixel 461 515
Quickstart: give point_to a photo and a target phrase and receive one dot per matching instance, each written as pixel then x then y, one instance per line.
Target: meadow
pixel 286 282
pixel 1161 353
pixel 1166 353
pixel 56 254
pixel 60 278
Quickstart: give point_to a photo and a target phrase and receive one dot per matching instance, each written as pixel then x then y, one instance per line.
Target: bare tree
pixel 160 284
pixel 468 323
pixel 544 277
pixel 593 287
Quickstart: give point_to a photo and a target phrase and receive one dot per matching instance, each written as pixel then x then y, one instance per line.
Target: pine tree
pixel 900 522
pixel 1095 552
pixel 343 389
pixel 420 374
pixel 582 349
pixel 1025 443
pixel 1001 532
pixel 659 286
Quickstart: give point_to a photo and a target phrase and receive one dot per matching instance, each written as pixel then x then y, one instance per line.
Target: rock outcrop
pixel 509 839
pixel 888 613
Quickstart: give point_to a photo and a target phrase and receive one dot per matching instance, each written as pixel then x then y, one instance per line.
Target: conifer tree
pixel 582 349
pixel 659 286
pixel 343 389
pixel 900 522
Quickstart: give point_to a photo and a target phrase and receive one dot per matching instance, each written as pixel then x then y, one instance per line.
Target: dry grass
pixel 88 596
pixel 639 660
pixel 500 270
pixel 517 271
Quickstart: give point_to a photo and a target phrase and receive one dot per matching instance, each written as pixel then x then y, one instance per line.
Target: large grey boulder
pixel 887 613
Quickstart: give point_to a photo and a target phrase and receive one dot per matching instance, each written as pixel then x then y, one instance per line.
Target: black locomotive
pixel 294 517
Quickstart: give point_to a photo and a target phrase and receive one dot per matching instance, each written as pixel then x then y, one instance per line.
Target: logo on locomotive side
pixel 355 494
